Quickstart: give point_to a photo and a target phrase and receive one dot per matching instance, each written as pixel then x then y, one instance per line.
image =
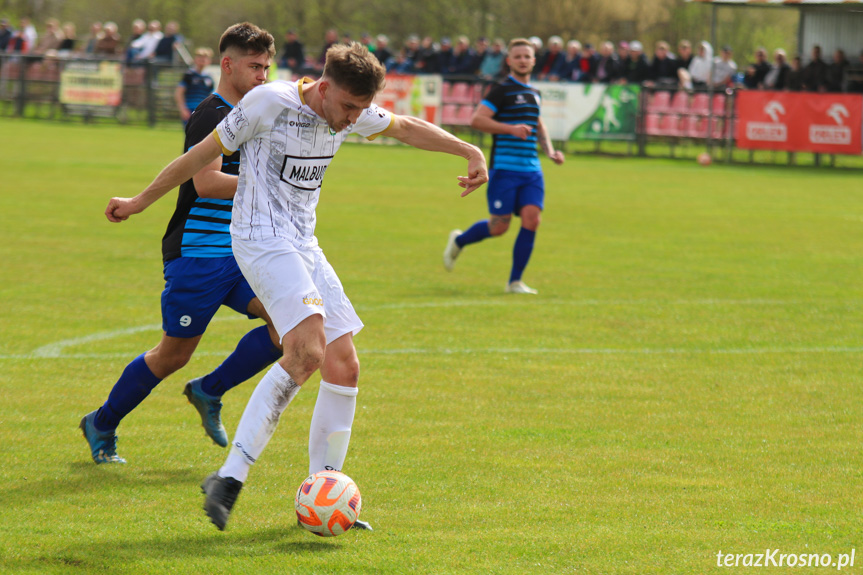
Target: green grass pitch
pixel 688 380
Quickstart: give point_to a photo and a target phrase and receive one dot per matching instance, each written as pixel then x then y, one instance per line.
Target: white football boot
pixel 519 287
pixel 451 251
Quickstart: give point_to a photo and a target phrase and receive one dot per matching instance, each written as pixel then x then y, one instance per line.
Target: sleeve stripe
pixel 373 136
pixel 225 150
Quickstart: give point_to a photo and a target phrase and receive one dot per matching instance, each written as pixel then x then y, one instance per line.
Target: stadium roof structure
pixel 830 24
pixel 780 2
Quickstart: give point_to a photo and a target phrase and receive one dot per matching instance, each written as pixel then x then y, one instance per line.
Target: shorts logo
pixel 313 298
pixel 185 321
pixel 498 204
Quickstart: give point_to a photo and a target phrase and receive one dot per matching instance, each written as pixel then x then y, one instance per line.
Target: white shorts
pixel 294 285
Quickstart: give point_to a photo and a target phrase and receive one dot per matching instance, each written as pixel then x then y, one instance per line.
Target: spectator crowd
pixel 625 62
pixel 146 42
pixel 607 63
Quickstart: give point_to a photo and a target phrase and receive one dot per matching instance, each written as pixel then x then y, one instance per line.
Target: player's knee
pixel 350 369
pixel 306 355
pixel 309 358
pixel 341 366
pixel 531 218
pixel 171 361
pixel 498 227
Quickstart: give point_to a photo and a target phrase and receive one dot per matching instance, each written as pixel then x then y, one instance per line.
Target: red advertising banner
pixel 800 122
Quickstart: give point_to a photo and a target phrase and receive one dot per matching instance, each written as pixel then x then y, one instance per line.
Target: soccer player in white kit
pixel 288 133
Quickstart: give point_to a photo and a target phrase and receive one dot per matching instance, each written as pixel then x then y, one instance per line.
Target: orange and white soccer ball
pixel 328 503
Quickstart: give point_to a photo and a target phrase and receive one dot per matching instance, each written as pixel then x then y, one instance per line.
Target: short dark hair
pixel 354 69
pixel 247 38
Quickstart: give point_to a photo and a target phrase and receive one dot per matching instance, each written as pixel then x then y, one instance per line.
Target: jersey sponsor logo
pixel 307 173
pixel 372 112
pixel 240 120
pixel 299 171
pixel 295 124
pixel 313 298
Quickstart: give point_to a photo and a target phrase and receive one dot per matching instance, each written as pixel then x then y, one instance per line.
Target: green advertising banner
pixel 589 111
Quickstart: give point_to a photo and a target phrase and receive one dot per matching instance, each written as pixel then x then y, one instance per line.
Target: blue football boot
pixel 103 444
pixel 210 410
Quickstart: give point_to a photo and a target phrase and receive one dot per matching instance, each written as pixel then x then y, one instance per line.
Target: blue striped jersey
pixel 200 227
pixel 198 86
pixel 514 103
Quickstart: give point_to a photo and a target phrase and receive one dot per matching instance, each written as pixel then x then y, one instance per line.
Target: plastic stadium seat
pixel 680 102
pixel 719 104
pixel 660 102
pixel 465 113
pixel 446 90
pixel 462 93
pixel 651 125
pixel 670 125
pixel 449 114
pixel 718 128
pixel 696 127
pixel 700 103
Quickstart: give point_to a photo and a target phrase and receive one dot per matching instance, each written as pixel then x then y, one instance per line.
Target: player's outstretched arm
pixel 545 143
pixel 426 136
pixel 174 174
pixel 484 121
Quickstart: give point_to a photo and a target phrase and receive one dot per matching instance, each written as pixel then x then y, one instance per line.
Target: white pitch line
pixel 53 350
pixel 507 350
pixel 511 301
pixel 56 350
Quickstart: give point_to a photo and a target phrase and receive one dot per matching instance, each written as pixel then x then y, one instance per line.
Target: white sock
pixel 259 421
pixel 330 431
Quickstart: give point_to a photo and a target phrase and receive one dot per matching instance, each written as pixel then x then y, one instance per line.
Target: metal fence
pixel 68 88
pixel 87 90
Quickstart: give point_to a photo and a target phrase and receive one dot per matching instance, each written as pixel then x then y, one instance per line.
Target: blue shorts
pixel 195 288
pixel 509 191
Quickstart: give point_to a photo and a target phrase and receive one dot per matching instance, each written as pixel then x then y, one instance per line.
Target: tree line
pixel 648 21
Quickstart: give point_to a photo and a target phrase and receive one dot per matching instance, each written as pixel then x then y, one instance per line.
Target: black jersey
pixel 199 227
pixel 514 103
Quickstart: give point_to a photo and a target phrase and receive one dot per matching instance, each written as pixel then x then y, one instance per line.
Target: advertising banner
pixel 88 86
pixel 589 111
pixel 409 95
pixel 800 122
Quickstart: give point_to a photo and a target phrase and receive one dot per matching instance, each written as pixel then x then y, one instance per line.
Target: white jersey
pixel 286 149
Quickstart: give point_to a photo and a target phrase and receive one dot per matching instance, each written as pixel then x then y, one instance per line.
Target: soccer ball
pixel 328 503
pixel 704 159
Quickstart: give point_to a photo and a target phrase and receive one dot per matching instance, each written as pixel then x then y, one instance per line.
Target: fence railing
pixel 65 88
pixel 109 90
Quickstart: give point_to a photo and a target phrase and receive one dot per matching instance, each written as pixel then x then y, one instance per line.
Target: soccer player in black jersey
pixel 200 271
pixel 510 112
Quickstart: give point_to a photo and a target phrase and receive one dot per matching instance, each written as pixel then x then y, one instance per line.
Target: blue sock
pixel 135 384
pixel 254 352
pixel 476 233
pixel 521 253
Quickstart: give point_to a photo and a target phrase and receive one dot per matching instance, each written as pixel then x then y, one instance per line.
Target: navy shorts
pixel 509 191
pixel 195 288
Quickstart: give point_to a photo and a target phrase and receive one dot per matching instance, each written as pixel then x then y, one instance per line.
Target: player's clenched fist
pixel 119 209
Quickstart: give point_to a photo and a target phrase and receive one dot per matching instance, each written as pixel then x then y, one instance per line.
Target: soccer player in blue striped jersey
pixel 201 273
pixel 194 86
pixel 510 112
